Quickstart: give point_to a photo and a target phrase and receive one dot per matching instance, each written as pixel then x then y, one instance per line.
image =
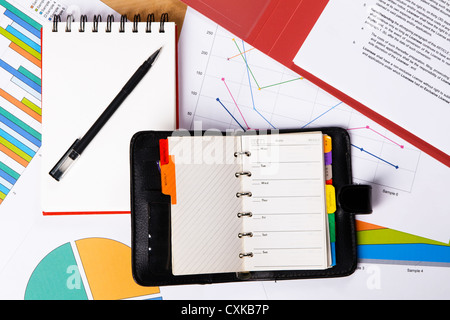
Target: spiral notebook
pixel 84 66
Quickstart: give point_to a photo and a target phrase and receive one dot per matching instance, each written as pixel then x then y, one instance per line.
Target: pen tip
pixel 155 55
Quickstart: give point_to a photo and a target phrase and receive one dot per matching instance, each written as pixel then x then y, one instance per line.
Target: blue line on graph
pixel 250 85
pixel 230 114
pixel 17 143
pixel 23 23
pixel 321 115
pixel 363 150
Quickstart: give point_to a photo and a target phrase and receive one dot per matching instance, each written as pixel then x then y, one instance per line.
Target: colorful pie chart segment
pixel 105 263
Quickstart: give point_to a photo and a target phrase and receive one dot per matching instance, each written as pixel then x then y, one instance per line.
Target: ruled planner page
pixel 289 221
pixel 204 220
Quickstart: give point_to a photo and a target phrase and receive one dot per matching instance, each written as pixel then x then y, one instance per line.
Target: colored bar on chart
pixel 30 75
pixel 20 43
pixel 20 14
pixel 20 76
pixel 32 106
pixel 20 127
pixel 23 23
pixel 8 171
pixel 25 54
pixel 16 143
pixel 7 177
pixel 16 33
pixel 21 105
pixel 12 154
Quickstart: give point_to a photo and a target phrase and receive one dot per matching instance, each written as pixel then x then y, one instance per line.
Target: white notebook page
pixel 82 72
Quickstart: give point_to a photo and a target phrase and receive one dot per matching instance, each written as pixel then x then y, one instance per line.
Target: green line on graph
pixel 246 64
pixel 253 76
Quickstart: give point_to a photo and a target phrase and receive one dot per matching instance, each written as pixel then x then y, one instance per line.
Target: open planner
pixel 86 63
pixel 212 207
pixel 252 203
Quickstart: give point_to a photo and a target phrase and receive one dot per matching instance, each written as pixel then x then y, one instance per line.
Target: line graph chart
pixel 234 86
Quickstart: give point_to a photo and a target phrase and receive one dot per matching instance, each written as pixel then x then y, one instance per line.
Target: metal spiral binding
pixel 97 19
pixel 69 21
pixel 109 22
pixel 150 19
pixel 136 20
pixel 83 20
pixel 245 254
pixel 245 234
pixel 123 20
pixel 164 18
pixel 56 19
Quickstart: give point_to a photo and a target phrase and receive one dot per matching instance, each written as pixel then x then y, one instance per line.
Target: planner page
pixel 204 219
pixel 287 228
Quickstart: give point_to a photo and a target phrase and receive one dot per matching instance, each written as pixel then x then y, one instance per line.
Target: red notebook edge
pixel 281 33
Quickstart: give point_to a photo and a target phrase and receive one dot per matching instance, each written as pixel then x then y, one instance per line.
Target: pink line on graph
pixel 223 79
pixel 367 127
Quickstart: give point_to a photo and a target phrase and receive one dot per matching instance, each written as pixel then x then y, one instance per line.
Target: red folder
pixel 279 28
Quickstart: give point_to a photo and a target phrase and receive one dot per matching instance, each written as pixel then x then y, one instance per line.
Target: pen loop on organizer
pixel 244 214
pixel 69 23
pixel 83 20
pixel 109 21
pixel 97 19
pixel 123 19
pixel 164 18
pixel 243 194
pixel 150 19
pixel 243 173
pixel 56 19
pixel 246 254
pixel 247 153
pixel 136 20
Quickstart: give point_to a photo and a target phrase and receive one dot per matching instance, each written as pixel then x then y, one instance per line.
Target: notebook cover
pixel 150 218
pixel 279 31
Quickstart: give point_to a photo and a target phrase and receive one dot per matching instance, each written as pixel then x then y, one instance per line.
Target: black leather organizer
pixel 150 217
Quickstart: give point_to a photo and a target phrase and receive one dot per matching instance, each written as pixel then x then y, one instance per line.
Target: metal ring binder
pixel 109 22
pixel 244 214
pixel 246 254
pixel 150 19
pixel 56 19
pixel 243 173
pixel 136 20
pixel 97 19
pixel 164 18
pixel 247 153
pixel 245 234
pixel 243 194
pixel 83 20
pixel 70 18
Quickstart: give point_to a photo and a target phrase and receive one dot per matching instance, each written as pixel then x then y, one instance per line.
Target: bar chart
pixel 20 88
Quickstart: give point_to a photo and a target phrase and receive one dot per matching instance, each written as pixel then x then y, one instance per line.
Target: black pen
pixel 79 145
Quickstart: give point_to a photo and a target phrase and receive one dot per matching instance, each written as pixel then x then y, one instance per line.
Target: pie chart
pixel 105 264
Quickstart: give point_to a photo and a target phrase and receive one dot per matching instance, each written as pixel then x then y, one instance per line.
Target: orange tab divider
pixel 168 181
